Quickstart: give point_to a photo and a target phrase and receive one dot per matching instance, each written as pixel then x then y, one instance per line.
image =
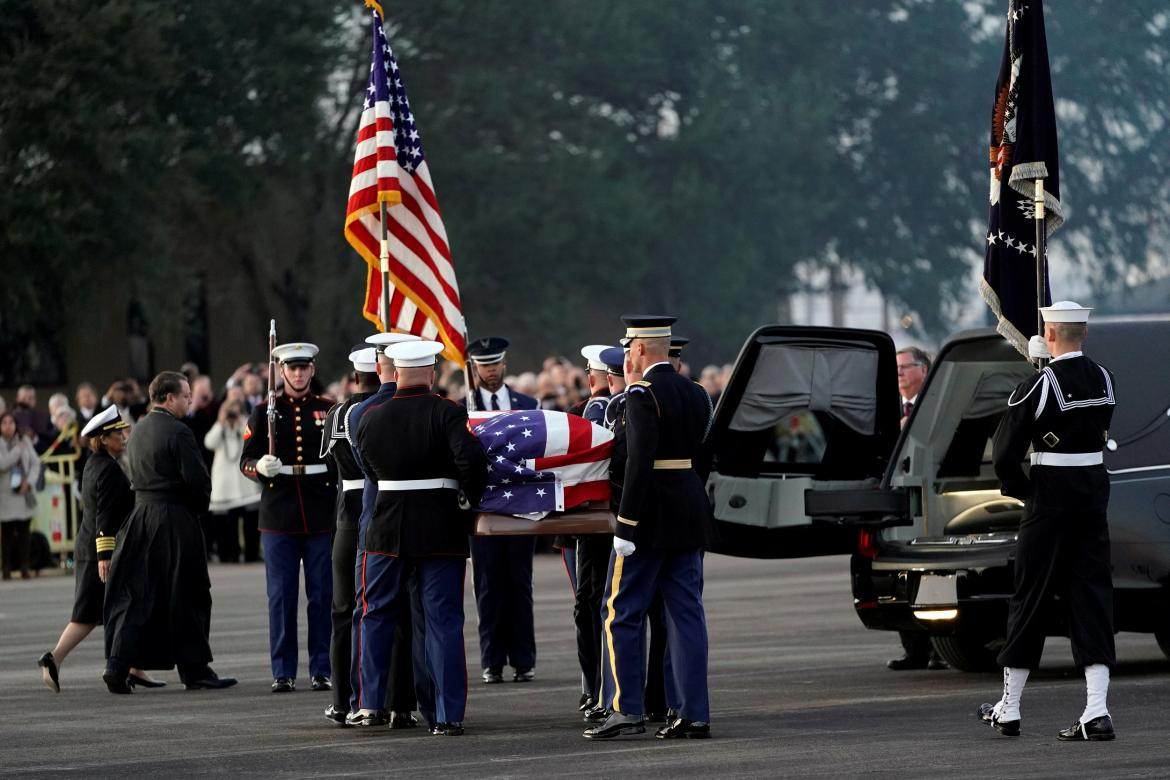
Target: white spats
pixel 1008 708
pixel 1096 690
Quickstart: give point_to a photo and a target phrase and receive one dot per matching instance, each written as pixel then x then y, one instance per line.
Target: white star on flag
pixel 527 433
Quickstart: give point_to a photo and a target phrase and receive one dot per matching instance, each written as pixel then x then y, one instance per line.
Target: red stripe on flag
pixel 600 452
pixel 575 495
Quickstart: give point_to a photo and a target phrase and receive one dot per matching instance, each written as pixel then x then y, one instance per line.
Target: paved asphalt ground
pixel 798 687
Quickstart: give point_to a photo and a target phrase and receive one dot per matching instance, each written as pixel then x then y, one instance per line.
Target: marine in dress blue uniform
pixel 296 516
pixel 501 566
pixel 1062 550
pixel 335 447
pixel 401 697
pixel 430 470
pixel 663 524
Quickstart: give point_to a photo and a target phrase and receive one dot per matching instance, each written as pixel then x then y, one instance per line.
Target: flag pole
pixel 468 381
pixel 384 259
pixel 1041 240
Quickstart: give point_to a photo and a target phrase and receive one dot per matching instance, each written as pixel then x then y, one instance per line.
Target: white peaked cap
pixel 383 340
pixel 592 355
pixel 296 352
pixel 414 354
pixel 364 360
pixel 107 419
pixel 1065 311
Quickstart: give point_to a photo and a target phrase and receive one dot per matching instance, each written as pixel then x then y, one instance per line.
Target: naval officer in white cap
pixel 1063 416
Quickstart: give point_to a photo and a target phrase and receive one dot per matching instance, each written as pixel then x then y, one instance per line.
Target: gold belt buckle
pixel 298 470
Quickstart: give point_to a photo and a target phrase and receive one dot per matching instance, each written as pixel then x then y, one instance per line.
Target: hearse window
pixel 805 409
pixel 970 449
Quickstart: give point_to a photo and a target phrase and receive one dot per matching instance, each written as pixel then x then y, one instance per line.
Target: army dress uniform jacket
pixel 417 435
pixel 1065 410
pixel 664 505
pixel 300 499
pixel 335 446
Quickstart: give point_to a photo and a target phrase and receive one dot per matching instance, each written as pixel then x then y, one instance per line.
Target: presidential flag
pixel 542 461
pixel 1023 148
pixel 389 167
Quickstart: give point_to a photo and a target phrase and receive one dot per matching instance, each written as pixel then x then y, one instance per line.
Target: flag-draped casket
pixel 542 461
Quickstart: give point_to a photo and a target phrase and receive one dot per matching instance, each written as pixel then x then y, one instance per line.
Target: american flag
pixel 542 461
pixel 389 166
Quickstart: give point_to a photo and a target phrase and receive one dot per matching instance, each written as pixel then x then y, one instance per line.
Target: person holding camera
pixel 19 467
pixel 234 497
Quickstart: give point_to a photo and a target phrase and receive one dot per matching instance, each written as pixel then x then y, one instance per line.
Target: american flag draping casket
pixel 541 461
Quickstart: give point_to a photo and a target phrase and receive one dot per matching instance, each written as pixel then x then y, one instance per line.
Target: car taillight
pixel 867 544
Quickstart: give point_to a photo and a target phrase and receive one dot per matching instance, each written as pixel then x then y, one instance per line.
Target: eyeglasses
pixel 907 366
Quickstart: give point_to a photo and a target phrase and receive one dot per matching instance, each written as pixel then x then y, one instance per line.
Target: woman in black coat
pixel 106 498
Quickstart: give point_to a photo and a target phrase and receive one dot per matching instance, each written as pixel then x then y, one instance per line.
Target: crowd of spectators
pixel 46 438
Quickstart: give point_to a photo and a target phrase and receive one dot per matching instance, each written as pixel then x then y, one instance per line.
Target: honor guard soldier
pixel 501 566
pixel 158 596
pixel 402 698
pixel 335 446
pixel 663 524
pixel 430 472
pixel 590 556
pixel 1062 551
pixel 296 515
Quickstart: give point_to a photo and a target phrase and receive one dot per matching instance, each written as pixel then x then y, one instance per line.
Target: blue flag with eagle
pixel 1023 148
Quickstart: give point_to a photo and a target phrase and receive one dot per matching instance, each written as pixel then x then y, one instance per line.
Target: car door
pixel 807 412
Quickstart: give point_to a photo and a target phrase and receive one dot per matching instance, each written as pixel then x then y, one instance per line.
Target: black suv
pixel 810 459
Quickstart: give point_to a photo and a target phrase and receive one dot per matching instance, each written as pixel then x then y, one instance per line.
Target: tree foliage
pixel 589 158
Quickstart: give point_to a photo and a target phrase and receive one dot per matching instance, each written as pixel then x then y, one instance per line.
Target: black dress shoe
pixel 1097 730
pixel 524 675
pixel 1009 728
pixel 616 724
pixel 321 683
pixel 336 716
pixel 453 729
pixel 284 685
pixel 937 665
pixel 49 672
pixel 141 682
pixel 402 720
pixel 209 681
pixel 493 675
pixel 907 662
pixel 116 682
pixel 596 714
pixel 586 702
pixel 682 728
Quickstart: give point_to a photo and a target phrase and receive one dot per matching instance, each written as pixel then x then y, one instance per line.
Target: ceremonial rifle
pixel 272 387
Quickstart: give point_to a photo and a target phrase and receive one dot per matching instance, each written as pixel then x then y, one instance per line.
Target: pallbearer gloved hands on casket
pixel 623 547
pixel 269 466
pixel 1038 348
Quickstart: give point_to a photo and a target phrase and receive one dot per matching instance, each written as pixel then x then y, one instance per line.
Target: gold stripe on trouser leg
pixel 613 591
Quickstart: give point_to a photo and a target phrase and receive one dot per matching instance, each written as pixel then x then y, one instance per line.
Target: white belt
pixel 316 468
pixel 417 484
pixel 1067 459
pixel 353 484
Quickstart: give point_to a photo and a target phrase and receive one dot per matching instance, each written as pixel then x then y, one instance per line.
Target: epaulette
pixel 640 383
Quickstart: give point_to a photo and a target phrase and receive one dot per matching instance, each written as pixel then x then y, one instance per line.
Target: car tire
pixel 969 651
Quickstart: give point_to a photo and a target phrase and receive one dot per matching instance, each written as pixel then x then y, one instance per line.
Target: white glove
pixel 1038 348
pixel 623 547
pixel 268 466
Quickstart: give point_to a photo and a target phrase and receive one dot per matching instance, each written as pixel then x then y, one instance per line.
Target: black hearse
pixel 810 459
